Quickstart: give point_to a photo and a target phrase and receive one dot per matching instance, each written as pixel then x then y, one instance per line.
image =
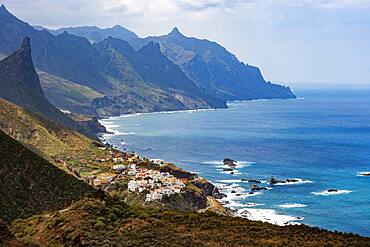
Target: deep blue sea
pixel 323 137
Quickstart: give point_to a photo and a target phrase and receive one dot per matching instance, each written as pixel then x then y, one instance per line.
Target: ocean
pixel 322 139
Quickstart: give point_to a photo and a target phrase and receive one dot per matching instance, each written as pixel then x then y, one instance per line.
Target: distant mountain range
pixel 94 34
pixel 116 72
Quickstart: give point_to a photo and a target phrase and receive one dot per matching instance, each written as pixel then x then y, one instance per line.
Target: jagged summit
pixel 20 85
pixel 175 32
pixel 4 10
pixel 153 46
pixel 26 45
pixel 19 67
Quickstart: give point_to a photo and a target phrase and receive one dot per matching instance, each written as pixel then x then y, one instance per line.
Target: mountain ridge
pixel 185 73
pixel 21 85
pixel 73 58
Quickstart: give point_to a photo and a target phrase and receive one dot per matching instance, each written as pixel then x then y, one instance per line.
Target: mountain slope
pixel 47 138
pixel 30 185
pixel 68 95
pixel 153 67
pixel 20 84
pixel 215 69
pixel 96 223
pixel 73 58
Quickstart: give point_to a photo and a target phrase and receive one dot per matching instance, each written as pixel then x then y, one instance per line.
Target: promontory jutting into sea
pixel 110 138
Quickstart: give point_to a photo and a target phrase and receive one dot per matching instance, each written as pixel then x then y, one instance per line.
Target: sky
pixel 302 43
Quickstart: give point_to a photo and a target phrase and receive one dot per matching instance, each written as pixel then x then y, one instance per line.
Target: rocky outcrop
pixel 229 162
pixel 20 85
pixel 275 181
pixel 178 173
pixel 207 188
pixel 89 122
pixel 257 188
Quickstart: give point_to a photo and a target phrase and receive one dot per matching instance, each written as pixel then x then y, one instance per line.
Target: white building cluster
pixel 155 182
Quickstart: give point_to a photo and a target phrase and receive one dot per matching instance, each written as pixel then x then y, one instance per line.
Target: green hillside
pixel 68 95
pixel 30 184
pixel 51 140
pixel 112 223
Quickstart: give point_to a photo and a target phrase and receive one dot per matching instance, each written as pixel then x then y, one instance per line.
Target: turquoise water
pixel 323 137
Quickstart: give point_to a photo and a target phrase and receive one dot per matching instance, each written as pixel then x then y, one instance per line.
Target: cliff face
pixel 215 69
pixel 101 69
pixel 182 73
pixel 20 85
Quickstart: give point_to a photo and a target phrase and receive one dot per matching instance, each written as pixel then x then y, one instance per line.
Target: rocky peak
pixel 19 66
pixel 2 8
pixel 151 47
pixel 26 45
pixel 4 12
pixel 175 33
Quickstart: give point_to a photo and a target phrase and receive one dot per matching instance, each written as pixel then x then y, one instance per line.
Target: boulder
pixel 275 181
pixel 256 188
pixel 254 181
pixel 292 180
pixel 229 162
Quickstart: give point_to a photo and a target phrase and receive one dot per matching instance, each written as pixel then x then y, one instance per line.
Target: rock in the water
pixel 332 190
pixel 275 181
pixel 292 180
pixel 227 169
pixel 254 181
pixel 229 162
pixel 256 188
pixel 220 195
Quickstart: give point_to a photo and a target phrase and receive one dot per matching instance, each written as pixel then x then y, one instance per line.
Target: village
pixel 113 168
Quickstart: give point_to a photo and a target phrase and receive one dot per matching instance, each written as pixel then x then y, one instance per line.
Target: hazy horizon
pixel 298 43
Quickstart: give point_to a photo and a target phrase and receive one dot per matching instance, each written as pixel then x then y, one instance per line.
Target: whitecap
pixel 292 205
pixel 270 216
pixel 229 181
pixel 233 172
pixel 232 181
pixel 220 163
pixel 252 204
pixel 213 162
pixel 299 181
pixel 363 174
pixel 331 193
pixel 127 133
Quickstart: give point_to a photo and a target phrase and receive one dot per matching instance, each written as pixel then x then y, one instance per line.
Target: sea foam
pixel 299 181
pixel 363 174
pixel 327 193
pixel 292 205
pixel 270 216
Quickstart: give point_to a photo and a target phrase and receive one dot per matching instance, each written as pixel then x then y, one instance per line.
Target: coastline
pixel 239 210
pixel 229 105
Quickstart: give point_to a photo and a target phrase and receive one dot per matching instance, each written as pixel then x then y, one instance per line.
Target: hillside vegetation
pixel 68 95
pixel 111 223
pixel 48 138
pixel 30 184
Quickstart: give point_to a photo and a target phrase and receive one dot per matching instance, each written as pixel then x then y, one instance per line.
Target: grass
pixel 113 223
